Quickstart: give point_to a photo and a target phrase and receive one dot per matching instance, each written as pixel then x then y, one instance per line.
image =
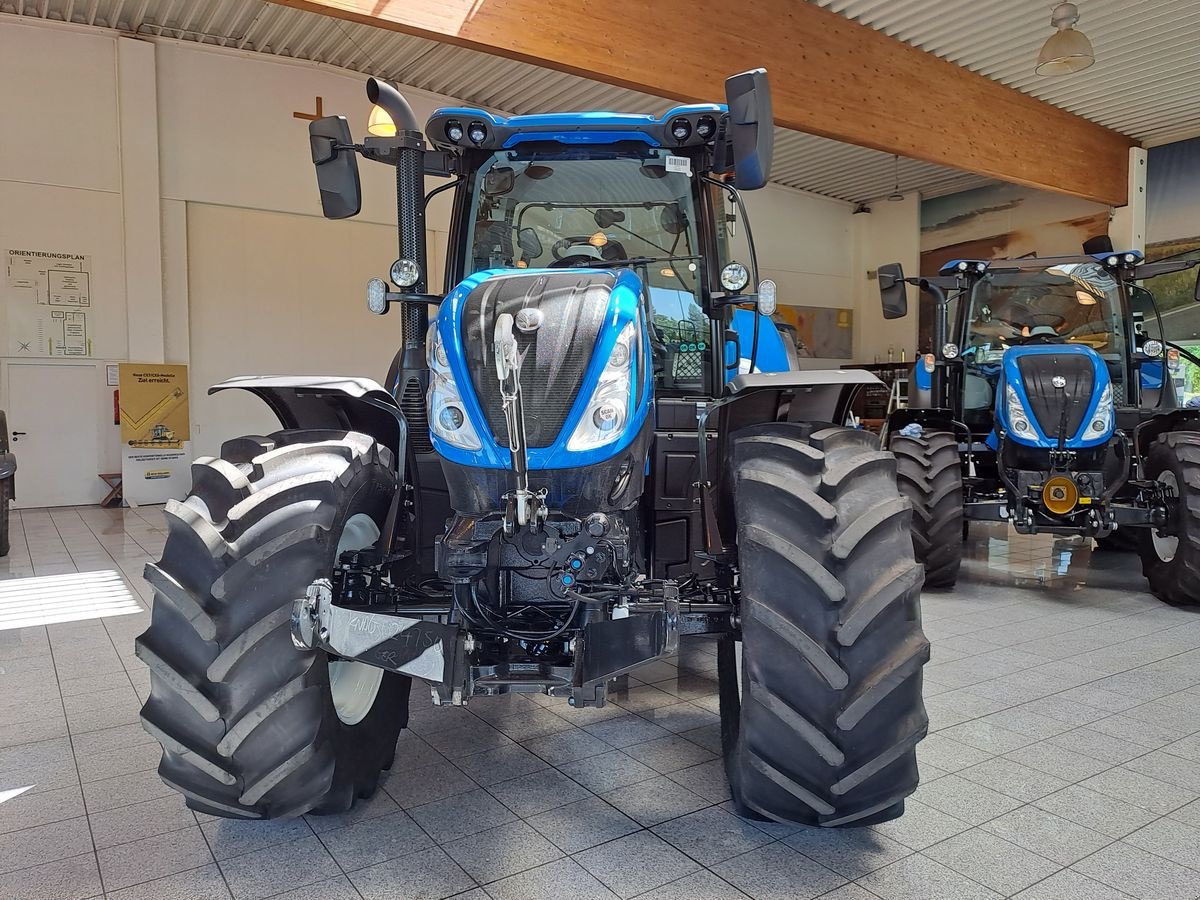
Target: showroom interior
pixel 811 513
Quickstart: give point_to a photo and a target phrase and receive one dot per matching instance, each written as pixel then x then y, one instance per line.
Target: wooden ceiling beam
pixel 830 76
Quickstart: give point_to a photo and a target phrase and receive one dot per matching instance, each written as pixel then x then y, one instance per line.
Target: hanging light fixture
pixel 895 196
pixel 1067 50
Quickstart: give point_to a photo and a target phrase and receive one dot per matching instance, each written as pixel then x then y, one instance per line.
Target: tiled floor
pixel 1064 763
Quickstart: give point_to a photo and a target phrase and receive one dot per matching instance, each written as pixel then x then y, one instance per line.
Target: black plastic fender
pixel 330 402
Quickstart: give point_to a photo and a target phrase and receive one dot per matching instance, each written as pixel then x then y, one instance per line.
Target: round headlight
pixel 450 418
pixel 1130 258
pixel 950 351
pixel 377 292
pixel 605 417
pixel 477 132
pixel 1152 348
pixel 963 265
pixel 454 131
pixel 1098 425
pixel 620 354
pixel 681 129
pixel 734 277
pixel 405 273
pixel 1020 425
pixel 706 127
pixel 1112 261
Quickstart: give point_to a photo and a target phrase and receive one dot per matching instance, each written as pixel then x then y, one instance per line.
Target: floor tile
pixel 777 872
pixel 1048 835
pixel 1095 811
pixel 75 878
pixel 566 746
pixel 966 800
pixel 706 780
pixel 669 754
pixel 502 851
pixel 461 815
pixel 711 835
pixel 1070 885
pixel 583 824
pixel 851 852
pixel 262 873
pixel 1171 840
pixel 992 861
pixel 607 771
pixel 531 794
pixel 154 857
pixel 424 875
pixel 44 844
pixel 374 840
pixel 1139 790
pixel 1141 874
pixel 204 883
pixel 338 888
pixel 703 885
pixel 921 826
pixel 1013 779
pixel 501 764
pixel 40 808
pixel 917 877
pixel 139 820
pixel 655 800
pixel 563 878
pixel 123 790
pixel 380 804
pixel 624 731
pixel 416 787
pixel 635 864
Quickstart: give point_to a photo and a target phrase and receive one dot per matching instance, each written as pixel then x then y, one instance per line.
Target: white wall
pixel 182 171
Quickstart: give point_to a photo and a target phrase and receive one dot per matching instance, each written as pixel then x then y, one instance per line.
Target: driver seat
pixel 1037 330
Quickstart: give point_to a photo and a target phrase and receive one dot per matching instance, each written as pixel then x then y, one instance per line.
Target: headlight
pixel 454 131
pixel 405 273
pixel 447 414
pixel 734 277
pixel 607 411
pixel 1152 348
pixel 1018 417
pixel 477 132
pixel 681 129
pixel 950 351
pixel 1102 420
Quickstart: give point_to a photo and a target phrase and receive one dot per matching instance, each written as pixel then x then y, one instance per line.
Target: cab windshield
pixel 1072 303
pixel 565 207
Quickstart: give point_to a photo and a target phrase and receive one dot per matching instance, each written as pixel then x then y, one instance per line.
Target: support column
pixel 1127 228
pixel 137 103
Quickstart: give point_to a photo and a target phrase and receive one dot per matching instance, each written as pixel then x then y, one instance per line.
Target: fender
pixel 815 395
pixel 330 402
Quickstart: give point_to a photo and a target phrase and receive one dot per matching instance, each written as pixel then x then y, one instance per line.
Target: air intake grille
pixel 1049 403
pixel 554 354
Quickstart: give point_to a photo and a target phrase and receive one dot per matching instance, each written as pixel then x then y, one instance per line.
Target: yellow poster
pixel 154 405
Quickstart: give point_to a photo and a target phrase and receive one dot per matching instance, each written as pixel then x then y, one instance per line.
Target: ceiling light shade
pixel 380 124
pixel 1067 50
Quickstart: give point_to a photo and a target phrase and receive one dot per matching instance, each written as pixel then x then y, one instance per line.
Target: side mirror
pixel 499 180
pixel 751 127
pixel 530 244
pixel 337 169
pixel 892 291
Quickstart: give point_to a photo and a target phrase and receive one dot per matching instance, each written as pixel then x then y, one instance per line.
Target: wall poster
pixel 155 431
pixel 48 298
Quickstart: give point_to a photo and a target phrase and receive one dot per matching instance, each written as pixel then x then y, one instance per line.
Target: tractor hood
pixel 1053 393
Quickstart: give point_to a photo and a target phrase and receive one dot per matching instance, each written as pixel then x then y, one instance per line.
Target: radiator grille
pixel 554 356
pixel 1048 403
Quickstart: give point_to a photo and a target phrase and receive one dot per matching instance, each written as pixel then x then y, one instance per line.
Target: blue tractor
pixel 1044 404
pixel 596 447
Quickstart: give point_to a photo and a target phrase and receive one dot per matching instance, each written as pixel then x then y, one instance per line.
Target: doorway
pixel 52 415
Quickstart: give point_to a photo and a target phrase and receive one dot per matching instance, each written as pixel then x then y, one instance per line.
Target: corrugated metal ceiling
pixel 1150 93
pixel 1145 82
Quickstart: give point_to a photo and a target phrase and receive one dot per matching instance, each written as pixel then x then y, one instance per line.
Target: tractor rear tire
pixel 929 474
pixel 5 498
pixel 1172 564
pixel 248 722
pixel 822 721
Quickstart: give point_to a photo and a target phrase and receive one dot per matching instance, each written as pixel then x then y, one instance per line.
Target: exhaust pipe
pixel 409 153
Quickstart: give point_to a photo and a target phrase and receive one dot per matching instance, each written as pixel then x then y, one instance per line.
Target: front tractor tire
pixel 822 718
pixel 1171 560
pixel 251 726
pixel 929 474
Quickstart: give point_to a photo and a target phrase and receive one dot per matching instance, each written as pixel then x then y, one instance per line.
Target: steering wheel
pixel 557 250
pixel 574 261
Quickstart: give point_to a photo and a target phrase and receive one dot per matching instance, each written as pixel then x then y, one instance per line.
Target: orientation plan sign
pixel 49 303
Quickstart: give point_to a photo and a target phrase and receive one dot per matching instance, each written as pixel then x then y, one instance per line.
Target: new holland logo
pixel 529 319
pixel 1059 382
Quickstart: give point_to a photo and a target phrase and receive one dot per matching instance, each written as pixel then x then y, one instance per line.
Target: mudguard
pixel 334 402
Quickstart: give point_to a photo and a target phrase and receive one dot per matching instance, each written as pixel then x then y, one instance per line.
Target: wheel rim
pixel 1165 547
pixel 354 685
pixel 737 663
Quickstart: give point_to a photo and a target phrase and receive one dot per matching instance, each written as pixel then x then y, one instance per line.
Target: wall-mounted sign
pixel 48 298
